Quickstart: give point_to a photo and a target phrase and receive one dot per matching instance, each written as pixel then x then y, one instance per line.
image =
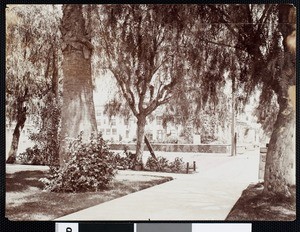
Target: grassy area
pixel 26 201
pixel 254 206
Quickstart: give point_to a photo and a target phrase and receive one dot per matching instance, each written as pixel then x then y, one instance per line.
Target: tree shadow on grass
pixel 20 181
pixel 253 205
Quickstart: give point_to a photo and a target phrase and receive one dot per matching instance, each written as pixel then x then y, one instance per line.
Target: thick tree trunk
pixel 280 162
pixel 16 135
pixel 78 112
pixel 140 142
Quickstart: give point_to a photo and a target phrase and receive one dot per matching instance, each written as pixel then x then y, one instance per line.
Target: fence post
pixel 194 165
pixel 187 167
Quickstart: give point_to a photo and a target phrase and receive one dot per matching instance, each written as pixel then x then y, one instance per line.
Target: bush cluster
pixel 124 161
pixel 34 156
pixel 162 164
pixel 90 167
pixel 48 125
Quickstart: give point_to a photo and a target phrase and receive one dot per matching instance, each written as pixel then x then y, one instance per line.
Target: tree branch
pixel 221 44
pixel 230 28
pixel 126 92
pixel 264 17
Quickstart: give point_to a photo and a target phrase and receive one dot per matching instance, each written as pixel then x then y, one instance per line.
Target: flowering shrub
pixel 90 167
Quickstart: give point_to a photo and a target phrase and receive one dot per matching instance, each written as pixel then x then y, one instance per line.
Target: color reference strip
pixel 153 227
pixel 194 227
pixel 163 227
pixel 93 227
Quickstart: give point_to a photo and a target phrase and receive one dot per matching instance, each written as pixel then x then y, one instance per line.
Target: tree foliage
pixel 165 55
pixel 142 45
pixel 264 40
pixel 30 44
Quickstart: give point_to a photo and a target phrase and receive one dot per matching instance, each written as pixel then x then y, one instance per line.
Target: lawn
pixel 253 206
pixel 26 201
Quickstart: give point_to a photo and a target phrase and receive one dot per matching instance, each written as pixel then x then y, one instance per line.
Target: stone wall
pixel 202 148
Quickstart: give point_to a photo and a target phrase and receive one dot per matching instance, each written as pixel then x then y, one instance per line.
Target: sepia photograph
pixel 150 112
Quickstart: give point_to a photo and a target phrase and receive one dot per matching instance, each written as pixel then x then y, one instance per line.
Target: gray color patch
pixel 164 227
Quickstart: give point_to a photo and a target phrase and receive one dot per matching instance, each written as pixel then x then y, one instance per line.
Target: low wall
pixel 202 148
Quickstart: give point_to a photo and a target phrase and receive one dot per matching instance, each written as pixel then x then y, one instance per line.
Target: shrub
pixel 177 165
pixel 163 165
pixel 47 123
pixel 125 160
pixel 33 156
pixel 90 167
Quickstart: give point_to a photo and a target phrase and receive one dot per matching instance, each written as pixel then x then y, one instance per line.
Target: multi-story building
pixel 118 129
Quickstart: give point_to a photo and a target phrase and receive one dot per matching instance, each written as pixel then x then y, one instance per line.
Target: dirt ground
pixel 253 206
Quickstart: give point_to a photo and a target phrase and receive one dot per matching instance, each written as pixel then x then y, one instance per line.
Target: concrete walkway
pixel 207 195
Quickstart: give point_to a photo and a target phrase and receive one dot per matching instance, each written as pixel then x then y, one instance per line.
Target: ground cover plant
pixel 124 160
pixel 33 156
pixel 26 200
pixel 162 164
pixel 252 205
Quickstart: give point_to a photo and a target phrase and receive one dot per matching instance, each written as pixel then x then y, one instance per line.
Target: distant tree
pixel 143 46
pixel 206 118
pixel 78 112
pixel 267 113
pixel 118 107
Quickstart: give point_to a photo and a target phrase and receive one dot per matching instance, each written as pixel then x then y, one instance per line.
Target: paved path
pixel 207 195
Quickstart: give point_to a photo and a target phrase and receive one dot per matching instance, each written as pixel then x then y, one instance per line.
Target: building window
pixel 104 121
pixel 108 131
pixel 149 136
pixel 158 120
pixel 159 135
pixel 99 113
pixel 113 121
pixel 114 131
pixel 127 134
pixel 126 122
pixel 98 122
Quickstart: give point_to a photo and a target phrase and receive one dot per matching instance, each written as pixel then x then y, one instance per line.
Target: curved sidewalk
pixel 207 195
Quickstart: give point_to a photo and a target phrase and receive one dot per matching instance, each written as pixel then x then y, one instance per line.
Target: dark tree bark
pixel 21 118
pixel 280 161
pixel 78 112
pixel 54 120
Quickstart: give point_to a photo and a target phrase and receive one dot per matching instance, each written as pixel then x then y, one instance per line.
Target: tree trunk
pixel 54 158
pixel 280 160
pixel 16 135
pixel 280 168
pixel 78 112
pixel 140 142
